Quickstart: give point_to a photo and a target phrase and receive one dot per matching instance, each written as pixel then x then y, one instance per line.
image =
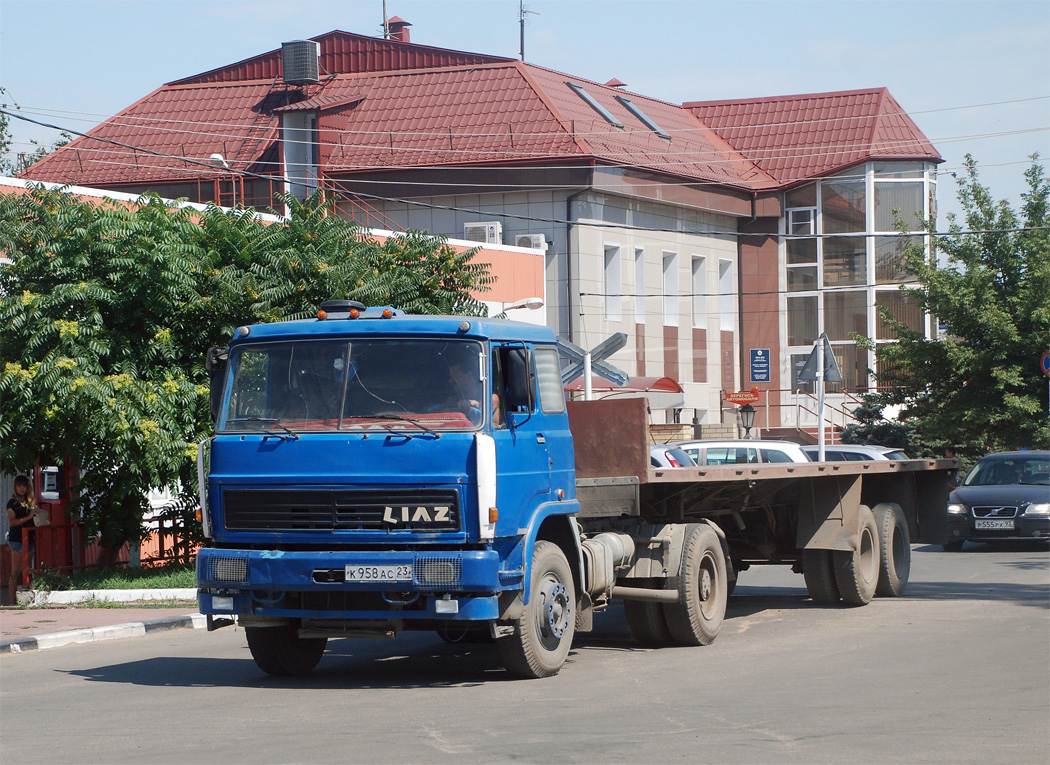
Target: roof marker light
pixel 354 313
pixel 244 331
pixel 387 313
pixel 322 314
pixel 464 326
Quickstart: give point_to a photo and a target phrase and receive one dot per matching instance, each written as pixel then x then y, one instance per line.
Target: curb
pixel 111 632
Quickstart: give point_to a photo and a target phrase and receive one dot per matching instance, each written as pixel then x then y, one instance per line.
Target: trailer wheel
pixel 702 588
pixel 279 651
pixel 819 573
pixel 857 571
pixel 543 633
pixel 894 550
pixel 647 623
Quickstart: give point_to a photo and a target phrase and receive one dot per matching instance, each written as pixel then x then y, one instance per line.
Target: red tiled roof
pixel 345 53
pixel 805 136
pixel 382 111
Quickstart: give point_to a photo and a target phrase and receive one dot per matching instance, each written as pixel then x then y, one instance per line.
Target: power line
pixel 594 224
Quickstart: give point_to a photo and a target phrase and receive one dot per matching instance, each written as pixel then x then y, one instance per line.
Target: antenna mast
pixel 522 11
pixel 386 24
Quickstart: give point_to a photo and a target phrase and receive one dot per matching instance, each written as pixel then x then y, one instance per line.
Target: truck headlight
pixel 1038 508
pixel 954 508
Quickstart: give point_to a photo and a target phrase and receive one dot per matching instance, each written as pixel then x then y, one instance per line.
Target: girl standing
pixel 20 510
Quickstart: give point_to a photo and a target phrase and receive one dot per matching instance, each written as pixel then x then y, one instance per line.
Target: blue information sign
pixel 759 365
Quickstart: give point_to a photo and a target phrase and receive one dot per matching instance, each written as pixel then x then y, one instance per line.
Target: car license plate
pixel 385 573
pixel 998 524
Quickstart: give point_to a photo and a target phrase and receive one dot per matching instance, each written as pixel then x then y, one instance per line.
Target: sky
pixel 974 75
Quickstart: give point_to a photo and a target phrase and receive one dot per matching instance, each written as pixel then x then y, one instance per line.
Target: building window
pixel 890 265
pixel 845 261
pixel 699 291
pixel 670 289
pixel 845 313
pixel 726 296
pixel 613 283
pixel 300 152
pixel 802 253
pixel 639 285
pixel 903 307
pixel 802 320
pixel 843 203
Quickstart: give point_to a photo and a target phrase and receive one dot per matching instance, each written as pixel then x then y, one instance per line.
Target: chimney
pixel 615 83
pixel 398 29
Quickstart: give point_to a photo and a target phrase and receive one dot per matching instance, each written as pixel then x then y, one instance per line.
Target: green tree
pixel 978 387
pixel 12 163
pixel 108 310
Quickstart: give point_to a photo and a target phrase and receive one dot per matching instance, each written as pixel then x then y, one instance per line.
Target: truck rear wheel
pixel 279 651
pixel 857 571
pixel 702 588
pixel 819 573
pixel 894 550
pixel 543 633
pixel 648 623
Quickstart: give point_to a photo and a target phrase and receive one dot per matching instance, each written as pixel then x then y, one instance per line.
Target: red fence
pixel 62 547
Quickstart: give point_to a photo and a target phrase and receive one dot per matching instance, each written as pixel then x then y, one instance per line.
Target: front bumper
pixel 963 527
pixel 311 584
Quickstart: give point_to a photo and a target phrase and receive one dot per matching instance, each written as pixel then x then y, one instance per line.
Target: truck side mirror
pixel 215 364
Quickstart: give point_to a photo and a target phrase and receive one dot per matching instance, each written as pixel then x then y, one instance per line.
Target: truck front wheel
pixel 703 588
pixel 279 651
pixel 543 633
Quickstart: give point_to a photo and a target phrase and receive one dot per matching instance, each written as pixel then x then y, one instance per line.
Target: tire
pixel 702 588
pixel 894 550
pixel 279 651
pixel 954 545
pixel 819 573
pixel 857 571
pixel 647 623
pixel 543 633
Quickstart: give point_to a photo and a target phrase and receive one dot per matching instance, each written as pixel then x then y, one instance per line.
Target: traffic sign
pixel 1044 363
pixel 759 365
pixel 831 367
pixel 602 351
pixel 743 397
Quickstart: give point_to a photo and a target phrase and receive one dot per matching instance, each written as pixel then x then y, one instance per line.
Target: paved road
pixel 956 671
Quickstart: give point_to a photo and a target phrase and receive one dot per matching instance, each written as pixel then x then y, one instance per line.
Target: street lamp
pixel 531 303
pixel 747 418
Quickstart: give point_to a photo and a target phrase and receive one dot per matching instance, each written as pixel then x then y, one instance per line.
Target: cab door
pixel 523 467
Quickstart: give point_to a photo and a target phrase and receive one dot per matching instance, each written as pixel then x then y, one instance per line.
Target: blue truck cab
pixel 373 472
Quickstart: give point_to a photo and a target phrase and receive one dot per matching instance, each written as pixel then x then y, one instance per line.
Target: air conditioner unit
pixel 535 241
pixel 490 232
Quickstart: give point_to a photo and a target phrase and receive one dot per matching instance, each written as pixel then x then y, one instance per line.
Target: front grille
pixel 426 510
pixel 994 511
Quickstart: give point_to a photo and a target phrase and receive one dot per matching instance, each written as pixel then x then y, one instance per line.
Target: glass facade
pixel 843 261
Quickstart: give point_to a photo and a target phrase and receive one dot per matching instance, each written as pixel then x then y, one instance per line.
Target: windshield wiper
pixel 410 420
pixel 269 421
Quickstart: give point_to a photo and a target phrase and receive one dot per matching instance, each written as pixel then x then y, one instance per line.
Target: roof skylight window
pixel 589 99
pixel 646 120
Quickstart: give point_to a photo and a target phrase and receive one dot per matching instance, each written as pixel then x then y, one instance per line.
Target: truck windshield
pixel 385 384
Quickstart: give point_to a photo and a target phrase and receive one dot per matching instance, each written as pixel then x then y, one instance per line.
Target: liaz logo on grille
pixel 418 514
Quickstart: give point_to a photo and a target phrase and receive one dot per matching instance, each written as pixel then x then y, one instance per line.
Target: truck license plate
pixel 385 573
pixel 999 524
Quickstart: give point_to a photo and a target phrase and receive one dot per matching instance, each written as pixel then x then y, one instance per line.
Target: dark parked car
pixel 1005 496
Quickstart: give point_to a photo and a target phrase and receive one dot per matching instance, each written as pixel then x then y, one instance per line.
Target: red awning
pixel 661 392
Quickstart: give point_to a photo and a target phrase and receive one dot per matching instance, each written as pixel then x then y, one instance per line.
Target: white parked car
pixel 668 455
pixel 855 453
pixel 742 452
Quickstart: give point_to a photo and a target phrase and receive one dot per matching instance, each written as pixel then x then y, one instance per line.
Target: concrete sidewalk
pixel 25 629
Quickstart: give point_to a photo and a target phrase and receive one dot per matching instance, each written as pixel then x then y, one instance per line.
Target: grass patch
pixel 119 578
